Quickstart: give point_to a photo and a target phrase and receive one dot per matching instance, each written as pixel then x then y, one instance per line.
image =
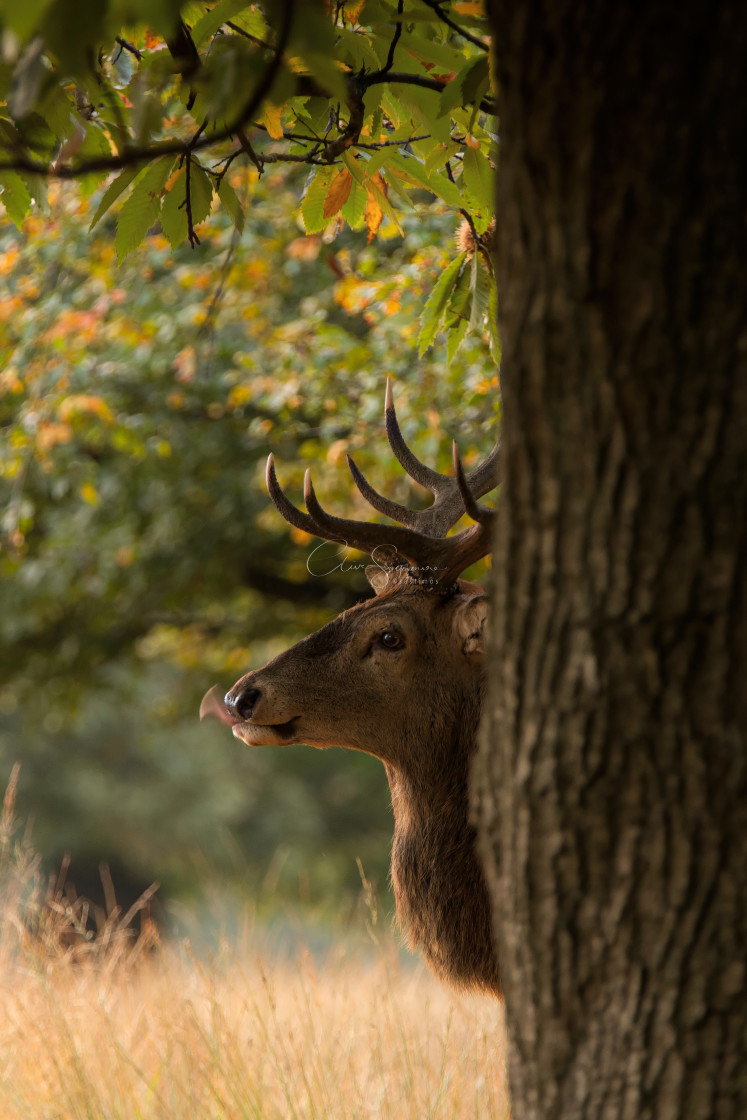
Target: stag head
pixel 349 683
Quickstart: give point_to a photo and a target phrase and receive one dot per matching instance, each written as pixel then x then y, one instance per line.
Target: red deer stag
pixel 399 676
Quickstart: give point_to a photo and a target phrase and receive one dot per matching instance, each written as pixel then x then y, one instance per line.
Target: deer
pixel 399 676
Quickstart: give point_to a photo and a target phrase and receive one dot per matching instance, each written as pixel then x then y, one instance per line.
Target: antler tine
pixel 418 471
pixel 449 504
pixel 292 515
pixel 486 475
pixel 481 514
pixel 383 505
pixel 482 478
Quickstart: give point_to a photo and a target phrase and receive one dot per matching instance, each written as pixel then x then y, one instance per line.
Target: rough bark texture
pixel 612 780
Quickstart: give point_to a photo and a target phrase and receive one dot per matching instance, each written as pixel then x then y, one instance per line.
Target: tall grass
pixel 113 1024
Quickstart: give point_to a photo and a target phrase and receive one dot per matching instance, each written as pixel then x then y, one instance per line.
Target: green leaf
pixel 355 207
pixel 477 176
pixel 455 338
pixel 214 19
pixel 312 207
pixel 460 300
pixel 411 169
pixel 141 209
pixel 437 301
pixel 15 197
pixel 173 211
pixel 421 104
pixel 24 18
pixel 200 193
pixel 443 57
pixel 479 292
pixel 231 202
pixel 112 193
pixel 468 86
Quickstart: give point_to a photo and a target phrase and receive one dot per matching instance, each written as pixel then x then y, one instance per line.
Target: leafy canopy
pixel 384 103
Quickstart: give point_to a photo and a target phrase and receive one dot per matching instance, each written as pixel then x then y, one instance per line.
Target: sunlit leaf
pixel 15 197
pixel 437 301
pixel 214 19
pixel 353 211
pixel 312 207
pixel 140 210
pixel 478 179
pixel 338 193
pixel 373 214
pixel 271 118
pixel 230 200
pixel 113 191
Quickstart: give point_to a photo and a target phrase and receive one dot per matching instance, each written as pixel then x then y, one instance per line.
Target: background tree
pixel 612 781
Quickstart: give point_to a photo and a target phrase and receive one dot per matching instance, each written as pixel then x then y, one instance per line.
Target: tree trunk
pixel 611 785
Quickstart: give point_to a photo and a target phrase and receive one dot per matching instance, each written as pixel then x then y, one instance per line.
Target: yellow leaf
pixel 338 193
pixel 89 494
pixel 271 118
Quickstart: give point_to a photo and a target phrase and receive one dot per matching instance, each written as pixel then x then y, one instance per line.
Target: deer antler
pixel 433 559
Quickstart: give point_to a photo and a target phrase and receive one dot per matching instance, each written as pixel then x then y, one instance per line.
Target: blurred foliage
pixel 141 559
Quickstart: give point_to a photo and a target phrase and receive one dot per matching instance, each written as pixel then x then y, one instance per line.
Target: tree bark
pixel 611 784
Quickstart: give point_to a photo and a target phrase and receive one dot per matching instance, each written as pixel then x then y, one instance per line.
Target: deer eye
pixel 390 640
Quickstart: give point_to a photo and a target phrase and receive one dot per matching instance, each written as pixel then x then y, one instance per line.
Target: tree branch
pixel 437 7
pixel 144 154
pixel 393 45
pixel 419 80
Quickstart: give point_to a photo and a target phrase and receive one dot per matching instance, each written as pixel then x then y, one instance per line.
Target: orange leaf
pixel 354 9
pixel 338 193
pixel 373 215
pixel 470 8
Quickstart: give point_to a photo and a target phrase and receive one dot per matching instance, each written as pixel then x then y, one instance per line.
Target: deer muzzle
pixel 244 709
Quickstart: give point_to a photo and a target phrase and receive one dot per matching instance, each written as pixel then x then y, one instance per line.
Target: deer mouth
pixel 265 734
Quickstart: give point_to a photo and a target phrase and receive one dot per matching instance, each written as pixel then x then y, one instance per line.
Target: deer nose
pixel 243 703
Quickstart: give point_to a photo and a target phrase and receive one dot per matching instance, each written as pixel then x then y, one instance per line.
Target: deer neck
pixel 439 887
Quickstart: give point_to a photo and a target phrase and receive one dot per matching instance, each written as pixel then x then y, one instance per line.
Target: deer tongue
pixel 212 707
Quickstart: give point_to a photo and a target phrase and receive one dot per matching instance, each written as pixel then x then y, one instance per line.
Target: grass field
pixel 120 1027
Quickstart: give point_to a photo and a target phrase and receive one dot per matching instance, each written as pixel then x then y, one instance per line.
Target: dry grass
pixel 123 1027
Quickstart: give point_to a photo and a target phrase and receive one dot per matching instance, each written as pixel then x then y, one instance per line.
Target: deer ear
pixel 379 578
pixel 470 624
pixel 384 579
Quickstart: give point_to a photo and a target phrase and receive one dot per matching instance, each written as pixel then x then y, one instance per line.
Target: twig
pixel 252 38
pixel 129 46
pixel 191 235
pixel 465 213
pixel 422 81
pixel 437 7
pixel 393 45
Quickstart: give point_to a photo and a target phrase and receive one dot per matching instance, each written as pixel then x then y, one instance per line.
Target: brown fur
pixel 417 709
